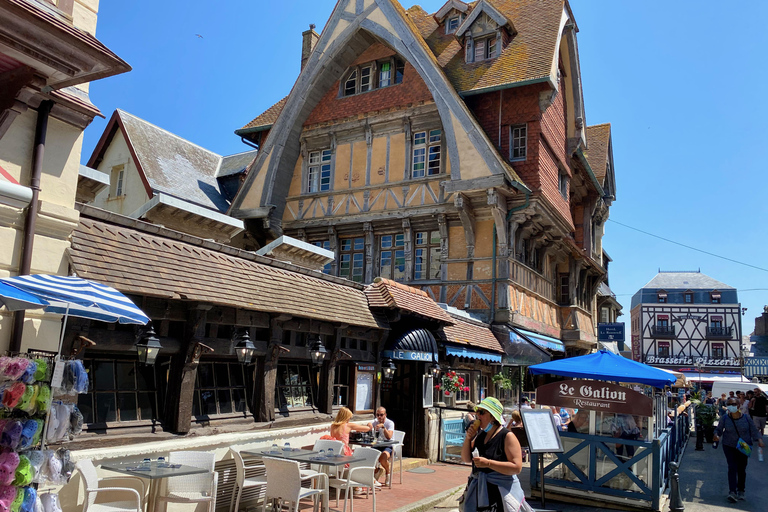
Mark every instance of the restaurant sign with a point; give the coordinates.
(690, 361)
(409, 355)
(595, 396)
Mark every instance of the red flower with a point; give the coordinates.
(437, 386)
(461, 380)
(447, 393)
(466, 388)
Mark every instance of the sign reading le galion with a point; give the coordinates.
(409, 355)
(595, 396)
(610, 332)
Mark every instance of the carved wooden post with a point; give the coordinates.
(266, 367)
(442, 223)
(183, 371)
(369, 249)
(407, 249)
(328, 377)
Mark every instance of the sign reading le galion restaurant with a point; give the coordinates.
(595, 396)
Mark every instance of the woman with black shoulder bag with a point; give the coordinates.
(738, 431)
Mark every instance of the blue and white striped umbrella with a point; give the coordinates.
(14, 299)
(79, 297)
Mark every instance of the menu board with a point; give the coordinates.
(541, 430)
(364, 392)
(427, 391)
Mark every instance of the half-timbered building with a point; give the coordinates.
(684, 319)
(447, 151)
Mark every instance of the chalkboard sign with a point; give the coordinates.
(542, 433)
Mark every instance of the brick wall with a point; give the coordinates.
(412, 91)
(553, 125)
(549, 171)
(518, 106)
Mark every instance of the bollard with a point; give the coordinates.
(699, 433)
(675, 500)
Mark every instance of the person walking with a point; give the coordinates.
(496, 459)
(759, 409)
(734, 427)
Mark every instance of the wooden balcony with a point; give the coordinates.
(530, 279)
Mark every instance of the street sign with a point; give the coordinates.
(610, 332)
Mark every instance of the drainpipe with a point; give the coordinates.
(493, 270)
(29, 223)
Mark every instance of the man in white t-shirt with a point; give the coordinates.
(384, 429)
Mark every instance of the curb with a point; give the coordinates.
(432, 501)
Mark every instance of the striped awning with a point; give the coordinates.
(542, 340)
(74, 296)
(473, 354)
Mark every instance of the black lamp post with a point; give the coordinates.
(317, 351)
(244, 348)
(699, 424)
(147, 346)
(388, 368)
(434, 369)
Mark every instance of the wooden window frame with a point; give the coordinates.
(319, 172)
(396, 250)
(354, 254)
(426, 251)
(428, 152)
(664, 345)
(718, 350)
(514, 143)
(310, 385)
(220, 387)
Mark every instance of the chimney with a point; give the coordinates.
(308, 42)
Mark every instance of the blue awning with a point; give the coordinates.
(474, 354)
(543, 340)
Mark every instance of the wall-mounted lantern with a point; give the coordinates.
(147, 345)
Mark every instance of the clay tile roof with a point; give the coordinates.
(139, 263)
(385, 293)
(598, 139)
(472, 335)
(266, 119)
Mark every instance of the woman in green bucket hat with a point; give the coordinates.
(496, 459)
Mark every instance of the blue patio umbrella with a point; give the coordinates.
(15, 300)
(604, 365)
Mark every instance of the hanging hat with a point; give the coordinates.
(493, 406)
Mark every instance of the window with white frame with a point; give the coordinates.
(427, 148)
(319, 171)
(518, 142)
(426, 263)
(365, 79)
(373, 75)
(453, 24)
(392, 257)
(562, 184)
(352, 258)
(463, 396)
(605, 315)
(117, 181)
(350, 85)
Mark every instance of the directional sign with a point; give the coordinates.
(610, 332)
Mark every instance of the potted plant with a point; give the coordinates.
(706, 416)
(450, 383)
(502, 381)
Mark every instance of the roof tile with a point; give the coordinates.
(472, 335)
(598, 139)
(385, 293)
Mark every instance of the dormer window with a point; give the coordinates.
(452, 23)
(373, 75)
(482, 49)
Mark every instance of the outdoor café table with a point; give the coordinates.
(153, 474)
(380, 445)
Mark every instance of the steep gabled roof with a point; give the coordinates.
(598, 140)
(349, 31)
(685, 281)
(448, 6)
(169, 164)
(388, 294)
(265, 120)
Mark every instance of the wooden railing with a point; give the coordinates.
(530, 279)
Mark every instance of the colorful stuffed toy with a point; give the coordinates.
(11, 434)
(9, 461)
(24, 472)
(13, 394)
(7, 495)
(28, 434)
(16, 368)
(30, 500)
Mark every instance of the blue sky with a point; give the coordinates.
(682, 84)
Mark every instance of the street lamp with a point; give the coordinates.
(147, 346)
(244, 348)
(317, 351)
(699, 365)
(388, 368)
(434, 369)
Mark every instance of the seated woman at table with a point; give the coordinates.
(341, 427)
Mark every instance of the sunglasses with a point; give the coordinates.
(382, 415)
(481, 412)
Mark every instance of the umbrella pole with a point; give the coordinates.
(63, 328)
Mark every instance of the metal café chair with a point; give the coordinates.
(284, 484)
(397, 454)
(243, 481)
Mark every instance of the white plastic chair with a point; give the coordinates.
(126, 492)
(200, 488)
(359, 474)
(323, 444)
(397, 454)
(284, 484)
(242, 481)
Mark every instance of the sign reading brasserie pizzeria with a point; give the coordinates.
(594, 396)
